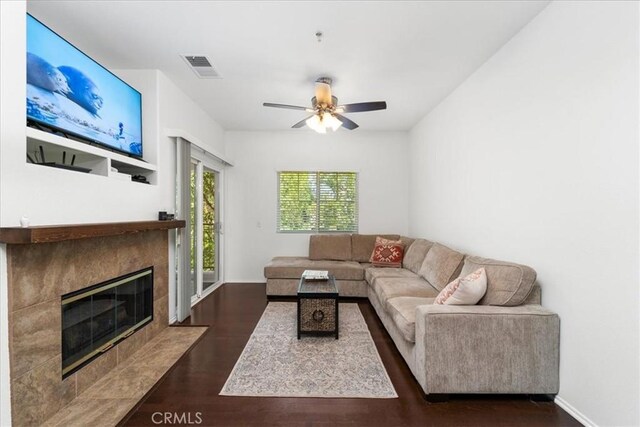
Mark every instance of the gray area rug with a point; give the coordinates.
(275, 363)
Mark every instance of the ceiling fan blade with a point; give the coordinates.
(346, 123)
(301, 122)
(288, 107)
(363, 106)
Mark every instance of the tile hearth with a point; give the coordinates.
(108, 401)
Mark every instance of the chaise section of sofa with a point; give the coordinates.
(283, 275)
(345, 256)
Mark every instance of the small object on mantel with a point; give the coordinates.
(24, 222)
(58, 233)
(164, 216)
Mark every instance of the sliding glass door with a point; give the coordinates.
(205, 228)
(193, 232)
(210, 229)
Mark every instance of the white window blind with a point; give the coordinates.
(317, 202)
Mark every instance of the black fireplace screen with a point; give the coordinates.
(94, 319)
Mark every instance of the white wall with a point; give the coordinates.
(380, 158)
(178, 111)
(534, 159)
(170, 108)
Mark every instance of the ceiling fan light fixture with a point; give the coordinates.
(322, 121)
(329, 120)
(315, 123)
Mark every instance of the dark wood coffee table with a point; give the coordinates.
(318, 307)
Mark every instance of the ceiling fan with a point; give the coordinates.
(327, 114)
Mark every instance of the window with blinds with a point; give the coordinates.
(317, 202)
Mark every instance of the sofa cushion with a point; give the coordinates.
(535, 296)
(403, 312)
(508, 284)
(362, 245)
(465, 290)
(441, 266)
(292, 268)
(387, 253)
(372, 273)
(330, 247)
(414, 254)
(407, 241)
(392, 287)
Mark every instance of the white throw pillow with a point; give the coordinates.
(464, 290)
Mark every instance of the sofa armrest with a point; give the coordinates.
(487, 349)
(486, 310)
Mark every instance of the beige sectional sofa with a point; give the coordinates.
(507, 343)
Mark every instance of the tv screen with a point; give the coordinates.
(70, 92)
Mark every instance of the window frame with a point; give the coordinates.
(317, 225)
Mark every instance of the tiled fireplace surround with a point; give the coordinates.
(38, 275)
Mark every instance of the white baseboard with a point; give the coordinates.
(583, 419)
(173, 320)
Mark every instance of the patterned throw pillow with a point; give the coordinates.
(387, 253)
(466, 290)
(383, 241)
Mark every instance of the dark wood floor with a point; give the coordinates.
(232, 312)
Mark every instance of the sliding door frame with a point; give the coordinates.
(203, 160)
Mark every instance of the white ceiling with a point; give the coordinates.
(410, 54)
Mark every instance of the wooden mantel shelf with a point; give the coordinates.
(58, 233)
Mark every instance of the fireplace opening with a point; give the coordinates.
(96, 318)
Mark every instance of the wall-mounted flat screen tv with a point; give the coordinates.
(69, 92)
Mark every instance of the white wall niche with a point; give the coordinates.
(99, 160)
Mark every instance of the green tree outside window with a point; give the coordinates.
(208, 220)
(317, 202)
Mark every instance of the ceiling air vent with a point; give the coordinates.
(202, 66)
